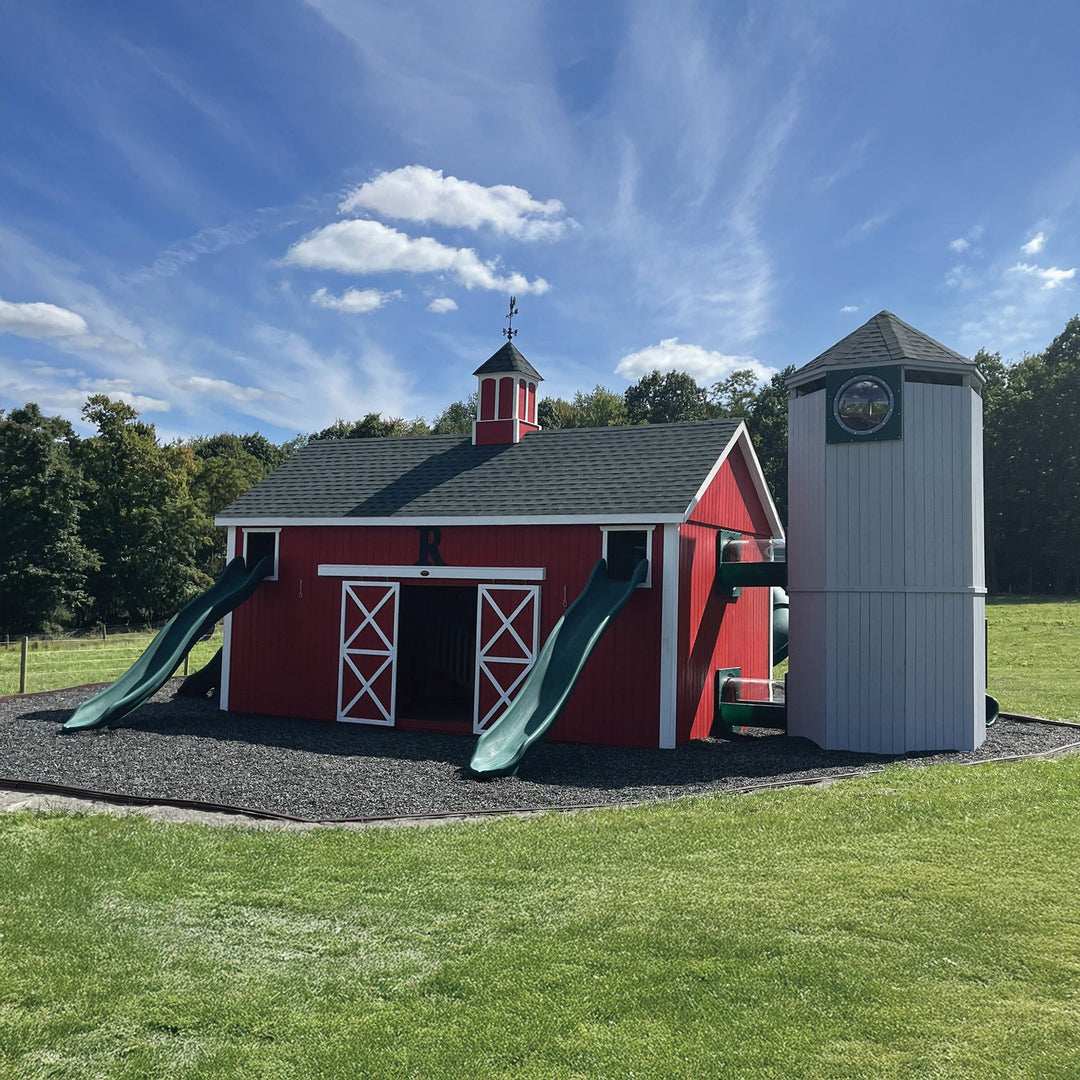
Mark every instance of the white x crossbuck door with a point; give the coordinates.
(507, 627)
(366, 679)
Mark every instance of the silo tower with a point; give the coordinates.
(885, 545)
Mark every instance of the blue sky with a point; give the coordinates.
(242, 215)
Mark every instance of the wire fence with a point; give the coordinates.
(76, 658)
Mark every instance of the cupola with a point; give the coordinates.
(506, 398)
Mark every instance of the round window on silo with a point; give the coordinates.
(863, 405)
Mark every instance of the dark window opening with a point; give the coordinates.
(810, 387)
(257, 545)
(625, 549)
(436, 661)
(941, 378)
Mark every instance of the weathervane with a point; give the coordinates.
(510, 332)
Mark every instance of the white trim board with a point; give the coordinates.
(445, 573)
(460, 519)
(226, 631)
(669, 640)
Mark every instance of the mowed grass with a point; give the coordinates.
(922, 923)
(1035, 655)
(63, 662)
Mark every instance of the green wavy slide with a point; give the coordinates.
(562, 659)
(170, 645)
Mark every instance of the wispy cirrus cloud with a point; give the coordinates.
(210, 241)
(417, 193)
(39, 320)
(354, 301)
(369, 247)
(673, 355)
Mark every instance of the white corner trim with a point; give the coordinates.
(445, 573)
(226, 630)
(669, 639)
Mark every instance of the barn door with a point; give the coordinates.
(366, 683)
(507, 626)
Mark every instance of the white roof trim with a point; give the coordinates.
(438, 519)
(741, 438)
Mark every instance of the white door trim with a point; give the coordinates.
(485, 655)
(389, 654)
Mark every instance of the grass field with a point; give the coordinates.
(1035, 655)
(919, 924)
(53, 665)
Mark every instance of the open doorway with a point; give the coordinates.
(436, 661)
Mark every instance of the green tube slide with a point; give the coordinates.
(562, 659)
(170, 645)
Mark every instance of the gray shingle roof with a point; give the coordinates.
(508, 359)
(647, 471)
(884, 339)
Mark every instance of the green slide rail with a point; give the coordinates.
(562, 659)
(170, 645)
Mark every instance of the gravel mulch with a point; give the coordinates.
(183, 748)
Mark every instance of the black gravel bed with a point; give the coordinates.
(184, 748)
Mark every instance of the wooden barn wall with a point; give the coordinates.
(285, 639)
(731, 500)
(715, 632)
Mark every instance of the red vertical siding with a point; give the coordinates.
(506, 398)
(713, 632)
(286, 637)
(487, 399)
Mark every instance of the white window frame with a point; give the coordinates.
(647, 530)
(277, 548)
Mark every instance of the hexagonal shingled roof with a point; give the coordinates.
(884, 339)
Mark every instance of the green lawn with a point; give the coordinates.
(922, 923)
(1035, 655)
(52, 665)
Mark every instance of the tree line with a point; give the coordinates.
(117, 527)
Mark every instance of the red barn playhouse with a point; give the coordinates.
(416, 579)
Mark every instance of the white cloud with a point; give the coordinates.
(39, 320)
(847, 309)
(368, 247)
(703, 364)
(354, 301)
(417, 193)
(961, 277)
(1051, 277)
(201, 384)
(442, 304)
(959, 244)
(1035, 244)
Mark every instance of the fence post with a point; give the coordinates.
(103, 631)
(22, 665)
(186, 658)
